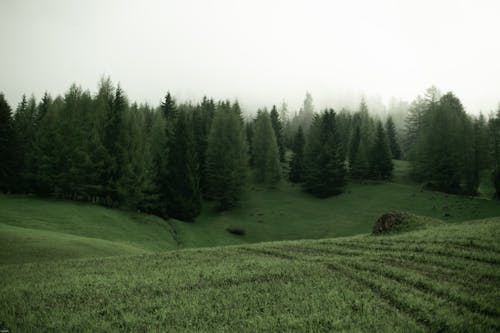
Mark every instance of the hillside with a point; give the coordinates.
(33, 229)
(442, 278)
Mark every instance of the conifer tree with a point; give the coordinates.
(494, 134)
(297, 163)
(380, 163)
(183, 197)
(8, 142)
(393, 140)
(227, 158)
(265, 151)
(278, 132)
(324, 167)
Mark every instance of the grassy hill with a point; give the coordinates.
(441, 278)
(34, 229)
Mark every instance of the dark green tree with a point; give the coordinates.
(296, 174)
(265, 151)
(183, 195)
(393, 140)
(227, 158)
(380, 159)
(494, 134)
(8, 147)
(324, 168)
(278, 132)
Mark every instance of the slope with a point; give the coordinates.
(443, 278)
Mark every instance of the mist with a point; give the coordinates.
(257, 52)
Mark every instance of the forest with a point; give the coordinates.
(167, 160)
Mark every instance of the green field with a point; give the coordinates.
(68, 266)
(40, 229)
(443, 278)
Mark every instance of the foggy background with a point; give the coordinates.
(259, 52)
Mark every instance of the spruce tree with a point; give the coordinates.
(494, 134)
(278, 132)
(183, 197)
(8, 142)
(393, 140)
(324, 167)
(265, 151)
(296, 174)
(227, 158)
(380, 159)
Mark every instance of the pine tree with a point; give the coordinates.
(494, 134)
(393, 140)
(183, 197)
(265, 151)
(297, 162)
(227, 158)
(24, 124)
(8, 145)
(278, 132)
(380, 163)
(324, 167)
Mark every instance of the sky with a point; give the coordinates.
(259, 52)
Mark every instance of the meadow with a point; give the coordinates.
(302, 264)
(440, 278)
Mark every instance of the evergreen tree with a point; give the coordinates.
(393, 141)
(183, 197)
(265, 151)
(202, 121)
(278, 132)
(8, 146)
(494, 133)
(380, 163)
(324, 168)
(24, 124)
(297, 162)
(227, 158)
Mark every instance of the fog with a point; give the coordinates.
(259, 52)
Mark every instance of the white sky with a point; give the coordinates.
(260, 52)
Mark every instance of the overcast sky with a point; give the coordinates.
(261, 52)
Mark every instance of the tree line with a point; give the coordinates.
(167, 160)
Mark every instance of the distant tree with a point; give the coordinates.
(494, 134)
(227, 158)
(183, 197)
(8, 146)
(393, 140)
(24, 124)
(265, 151)
(324, 168)
(380, 162)
(297, 162)
(278, 132)
(202, 121)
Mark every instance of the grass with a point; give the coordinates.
(40, 229)
(34, 229)
(441, 278)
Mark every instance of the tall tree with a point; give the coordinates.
(24, 124)
(278, 132)
(296, 174)
(393, 140)
(494, 133)
(380, 163)
(227, 158)
(325, 169)
(265, 151)
(183, 197)
(8, 147)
